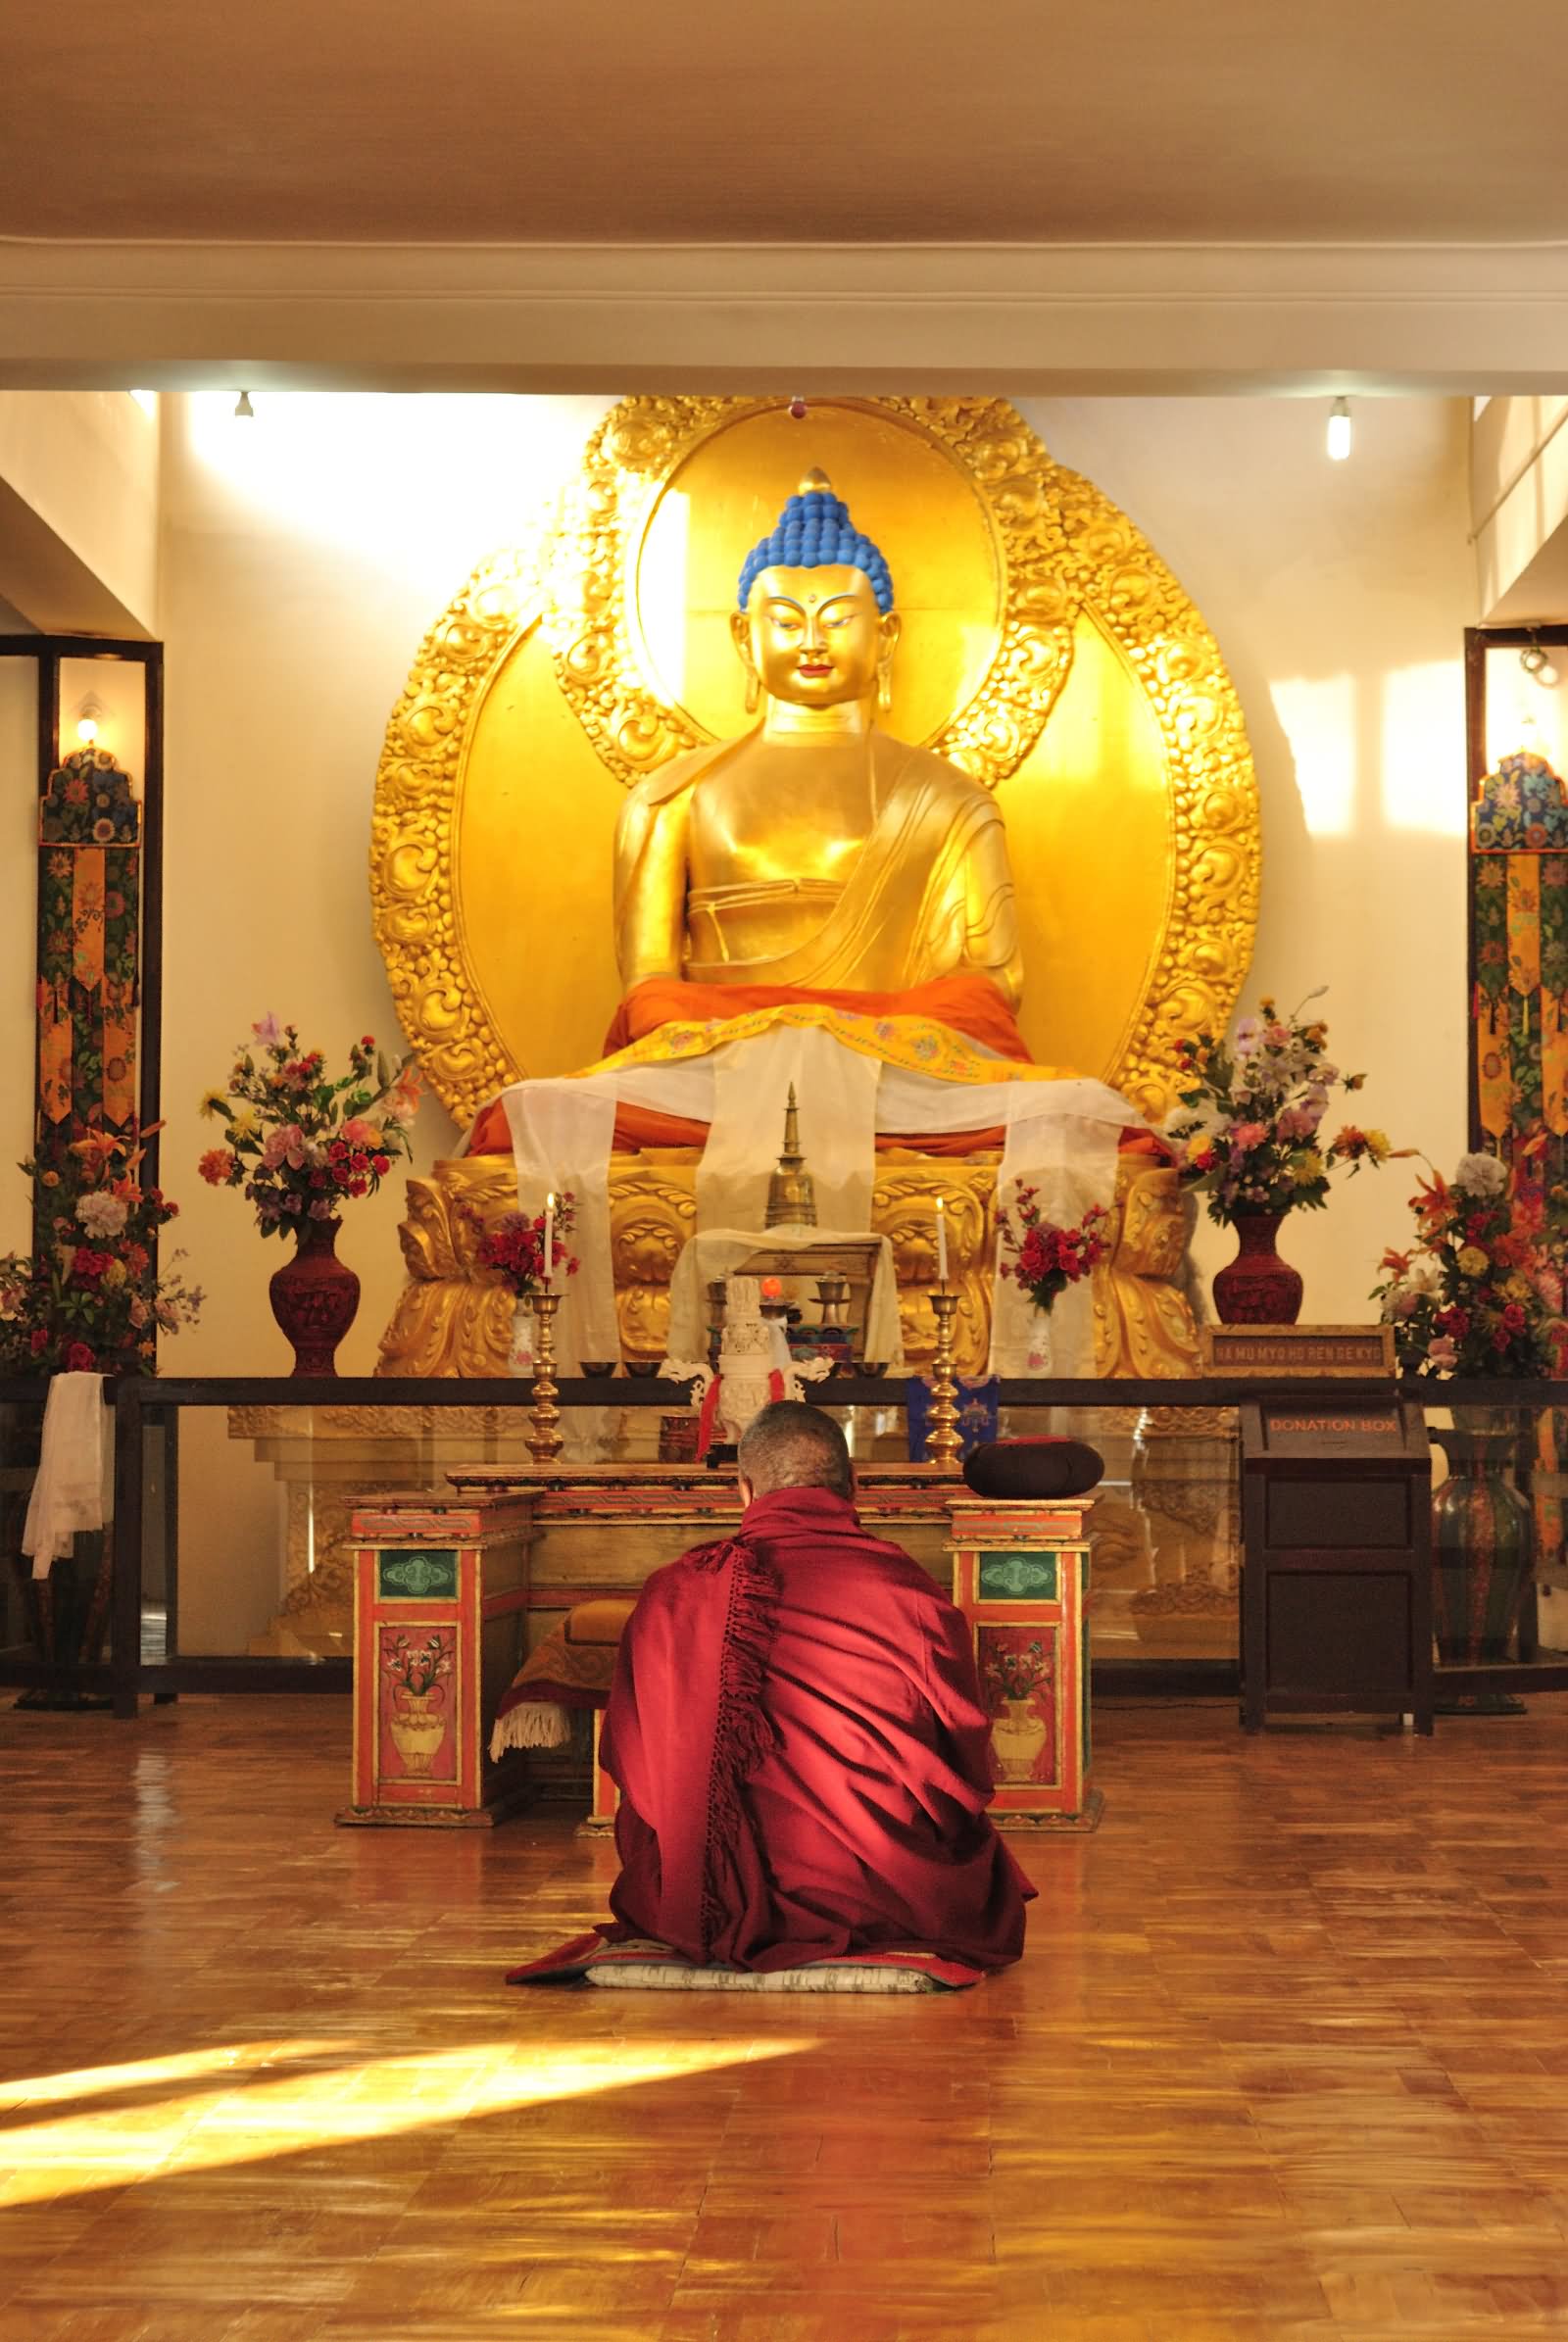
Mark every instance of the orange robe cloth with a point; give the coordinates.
(797, 1731)
(966, 1005)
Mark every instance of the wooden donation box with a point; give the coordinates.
(440, 1588)
(1337, 1574)
(1019, 1576)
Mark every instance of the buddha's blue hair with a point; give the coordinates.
(814, 531)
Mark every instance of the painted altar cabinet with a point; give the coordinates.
(873, 756)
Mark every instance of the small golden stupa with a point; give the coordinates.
(791, 1191)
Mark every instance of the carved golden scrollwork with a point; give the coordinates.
(903, 1209)
(652, 1214)
(439, 1007)
(628, 462)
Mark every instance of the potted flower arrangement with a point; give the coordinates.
(91, 1298)
(512, 1248)
(1478, 1294)
(1252, 1146)
(1467, 1298)
(302, 1143)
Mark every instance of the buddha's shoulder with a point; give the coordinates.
(672, 781)
(922, 767)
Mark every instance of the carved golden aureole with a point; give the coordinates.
(571, 667)
(453, 1320)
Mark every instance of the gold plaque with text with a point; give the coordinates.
(1302, 1352)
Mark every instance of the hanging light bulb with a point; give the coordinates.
(87, 716)
(243, 408)
(1339, 435)
(1538, 667)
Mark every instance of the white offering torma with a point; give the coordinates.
(755, 1365)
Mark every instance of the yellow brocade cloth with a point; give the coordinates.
(917, 1044)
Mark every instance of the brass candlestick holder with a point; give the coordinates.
(942, 1438)
(544, 1419)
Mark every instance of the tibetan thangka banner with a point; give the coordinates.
(89, 880)
(1519, 924)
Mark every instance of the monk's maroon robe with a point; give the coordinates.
(796, 1730)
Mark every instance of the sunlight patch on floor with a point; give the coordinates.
(368, 2098)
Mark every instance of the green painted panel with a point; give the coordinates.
(1017, 1577)
(431, 1576)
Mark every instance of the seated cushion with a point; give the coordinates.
(1042, 1467)
(598, 1622)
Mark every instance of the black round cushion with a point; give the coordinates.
(1033, 1468)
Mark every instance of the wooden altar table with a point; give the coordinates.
(509, 1553)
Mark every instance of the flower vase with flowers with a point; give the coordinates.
(1253, 1147)
(1479, 1293)
(1047, 1258)
(302, 1143)
(415, 1703)
(511, 1249)
(1468, 1297)
(1015, 1674)
(91, 1300)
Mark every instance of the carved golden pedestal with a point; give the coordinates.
(453, 1320)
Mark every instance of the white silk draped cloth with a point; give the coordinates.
(1061, 1135)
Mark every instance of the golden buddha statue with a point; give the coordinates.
(815, 872)
(816, 852)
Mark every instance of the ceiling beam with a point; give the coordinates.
(1060, 320)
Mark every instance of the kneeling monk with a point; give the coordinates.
(797, 1734)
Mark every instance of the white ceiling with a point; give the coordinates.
(581, 194)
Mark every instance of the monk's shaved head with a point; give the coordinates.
(791, 1446)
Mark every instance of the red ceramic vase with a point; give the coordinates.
(314, 1297)
(1258, 1287)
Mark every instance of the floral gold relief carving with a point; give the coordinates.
(453, 1320)
(411, 901)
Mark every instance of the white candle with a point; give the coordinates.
(548, 1259)
(942, 1242)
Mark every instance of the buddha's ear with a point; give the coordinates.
(888, 628)
(740, 634)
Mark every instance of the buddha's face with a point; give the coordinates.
(816, 635)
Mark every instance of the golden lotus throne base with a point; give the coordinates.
(454, 1319)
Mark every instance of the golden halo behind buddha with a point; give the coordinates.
(1043, 648)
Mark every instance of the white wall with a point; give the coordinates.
(79, 500)
(1339, 594)
(306, 553)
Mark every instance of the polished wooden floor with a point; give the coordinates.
(1287, 2057)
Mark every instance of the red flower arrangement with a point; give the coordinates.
(1016, 1675)
(1475, 1294)
(1047, 1259)
(513, 1246)
(88, 1301)
(299, 1142)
